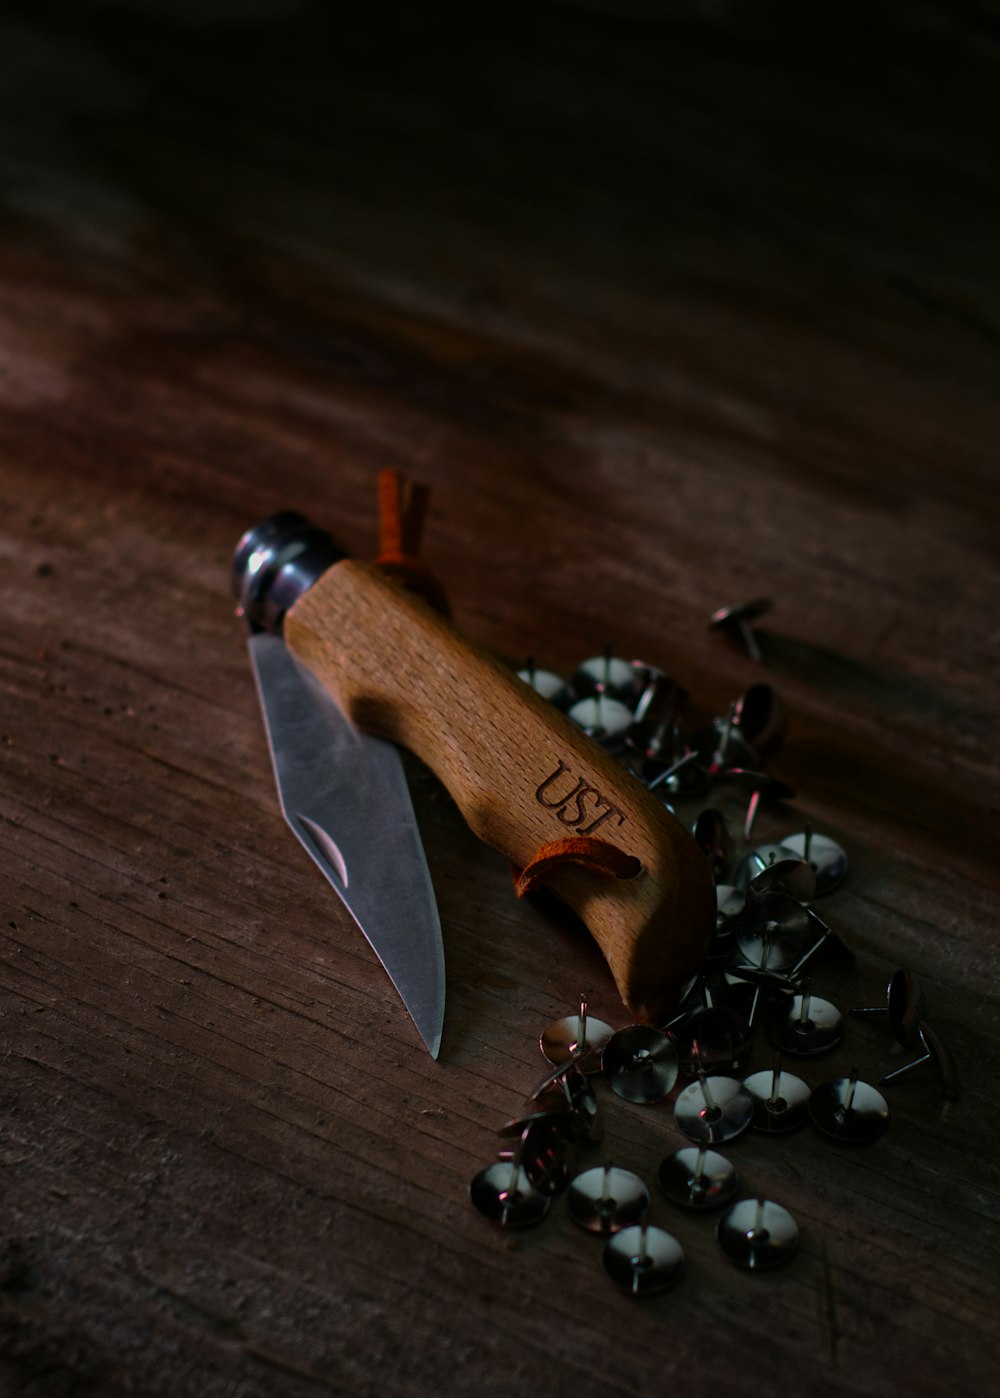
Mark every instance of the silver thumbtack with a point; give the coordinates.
(602, 718)
(736, 621)
(640, 1063)
(793, 876)
(565, 1090)
(660, 697)
(503, 1194)
(785, 922)
(682, 778)
(761, 858)
(605, 1199)
(827, 937)
(720, 745)
(544, 1153)
(644, 1260)
(780, 1100)
(757, 1234)
(906, 1006)
(711, 835)
(545, 683)
(934, 1052)
(759, 716)
(578, 1038)
(827, 858)
(715, 1112)
(714, 1038)
(809, 1026)
(761, 788)
(849, 1110)
(610, 676)
(697, 1178)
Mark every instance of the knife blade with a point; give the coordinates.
(345, 798)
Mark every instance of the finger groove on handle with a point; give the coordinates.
(521, 773)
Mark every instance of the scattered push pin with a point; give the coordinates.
(503, 1194)
(578, 1038)
(758, 1234)
(757, 861)
(545, 683)
(761, 788)
(711, 835)
(721, 745)
(793, 876)
(809, 1026)
(567, 1091)
(698, 1178)
(606, 1199)
(779, 918)
(849, 1110)
(652, 747)
(935, 1052)
(759, 716)
(729, 903)
(713, 1109)
(544, 1152)
(906, 1006)
(612, 677)
(827, 858)
(640, 1063)
(735, 621)
(602, 718)
(660, 698)
(714, 1037)
(825, 937)
(684, 777)
(644, 1259)
(780, 1100)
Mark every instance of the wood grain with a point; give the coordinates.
(523, 776)
(672, 306)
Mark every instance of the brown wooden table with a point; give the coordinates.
(671, 307)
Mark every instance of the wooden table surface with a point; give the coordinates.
(671, 306)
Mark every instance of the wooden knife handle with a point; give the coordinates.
(521, 773)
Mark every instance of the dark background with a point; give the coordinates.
(671, 306)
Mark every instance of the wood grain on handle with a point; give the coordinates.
(521, 773)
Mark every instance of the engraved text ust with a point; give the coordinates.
(576, 804)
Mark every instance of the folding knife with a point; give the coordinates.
(348, 664)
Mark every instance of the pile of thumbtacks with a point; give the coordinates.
(755, 976)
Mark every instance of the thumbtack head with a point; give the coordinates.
(780, 1100)
(781, 920)
(827, 858)
(713, 1109)
(566, 1091)
(935, 1051)
(644, 1260)
(757, 1234)
(578, 1038)
(906, 1006)
(808, 1026)
(735, 621)
(503, 1194)
(698, 1178)
(606, 1199)
(640, 1063)
(849, 1110)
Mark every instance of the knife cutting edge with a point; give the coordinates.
(342, 791)
(345, 658)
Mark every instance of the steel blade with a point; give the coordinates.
(344, 794)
